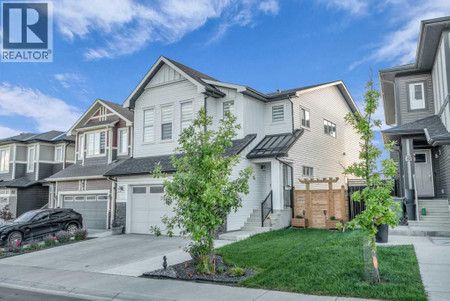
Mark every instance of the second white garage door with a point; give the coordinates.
(147, 209)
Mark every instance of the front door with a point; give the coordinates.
(424, 173)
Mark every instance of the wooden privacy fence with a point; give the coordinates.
(314, 202)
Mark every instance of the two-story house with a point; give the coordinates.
(416, 102)
(25, 161)
(103, 139)
(284, 136)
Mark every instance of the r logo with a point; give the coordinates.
(25, 25)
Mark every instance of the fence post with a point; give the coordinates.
(343, 210)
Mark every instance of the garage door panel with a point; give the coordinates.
(93, 210)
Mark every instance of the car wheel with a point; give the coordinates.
(72, 228)
(15, 237)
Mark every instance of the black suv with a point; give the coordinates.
(38, 223)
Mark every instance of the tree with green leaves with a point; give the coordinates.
(379, 179)
(203, 191)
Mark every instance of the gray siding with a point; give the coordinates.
(21, 153)
(444, 163)
(21, 170)
(97, 160)
(7, 176)
(48, 169)
(47, 153)
(404, 115)
(31, 198)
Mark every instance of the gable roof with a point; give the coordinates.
(47, 137)
(124, 113)
(194, 76)
(427, 45)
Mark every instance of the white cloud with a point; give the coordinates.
(353, 7)
(68, 80)
(6, 132)
(47, 112)
(269, 7)
(128, 26)
(399, 46)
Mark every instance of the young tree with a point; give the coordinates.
(377, 195)
(202, 192)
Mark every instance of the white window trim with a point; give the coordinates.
(335, 126)
(119, 140)
(284, 114)
(7, 150)
(87, 143)
(62, 153)
(30, 167)
(233, 111)
(144, 126)
(181, 114)
(411, 86)
(309, 112)
(310, 168)
(171, 122)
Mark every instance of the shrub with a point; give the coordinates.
(49, 240)
(63, 237)
(332, 218)
(236, 271)
(80, 234)
(299, 216)
(339, 226)
(34, 245)
(1, 252)
(13, 248)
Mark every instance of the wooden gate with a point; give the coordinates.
(312, 203)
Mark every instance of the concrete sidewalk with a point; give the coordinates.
(99, 286)
(433, 255)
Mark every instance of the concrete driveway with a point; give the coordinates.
(129, 255)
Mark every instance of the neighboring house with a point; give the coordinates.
(25, 161)
(103, 140)
(416, 101)
(285, 135)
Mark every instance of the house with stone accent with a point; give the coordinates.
(103, 140)
(25, 161)
(284, 135)
(416, 103)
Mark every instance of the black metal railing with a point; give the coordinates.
(266, 207)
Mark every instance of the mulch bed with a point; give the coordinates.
(12, 254)
(186, 271)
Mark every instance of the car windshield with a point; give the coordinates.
(26, 217)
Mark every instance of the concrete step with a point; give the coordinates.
(237, 235)
(252, 224)
(435, 231)
(428, 224)
(256, 229)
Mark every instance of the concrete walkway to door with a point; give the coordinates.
(129, 255)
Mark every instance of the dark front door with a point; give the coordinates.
(287, 186)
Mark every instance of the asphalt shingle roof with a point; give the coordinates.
(433, 124)
(22, 182)
(275, 145)
(105, 122)
(147, 165)
(49, 137)
(125, 112)
(79, 171)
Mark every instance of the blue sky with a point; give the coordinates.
(102, 49)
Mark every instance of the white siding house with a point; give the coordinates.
(272, 140)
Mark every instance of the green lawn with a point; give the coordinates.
(321, 262)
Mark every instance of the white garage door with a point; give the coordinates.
(147, 209)
(93, 208)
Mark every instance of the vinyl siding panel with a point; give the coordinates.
(405, 114)
(441, 78)
(317, 149)
(21, 153)
(31, 198)
(444, 163)
(284, 126)
(47, 153)
(98, 184)
(153, 98)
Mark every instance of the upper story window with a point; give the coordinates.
(123, 141)
(59, 154)
(416, 96)
(308, 171)
(186, 114)
(329, 128)
(96, 144)
(304, 118)
(31, 158)
(228, 106)
(278, 113)
(166, 123)
(4, 160)
(149, 125)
